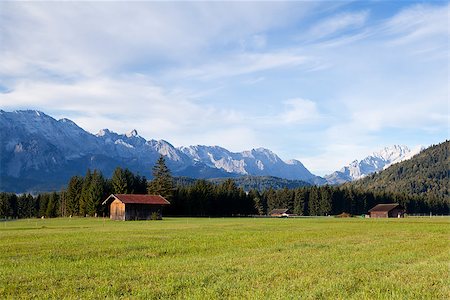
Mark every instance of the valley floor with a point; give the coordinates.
(302, 258)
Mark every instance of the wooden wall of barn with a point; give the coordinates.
(384, 214)
(378, 214)
(117, 210)
(142, 211)
(396, 212)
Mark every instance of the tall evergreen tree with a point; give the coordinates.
(119, 182)
(96, 193)
(72, 195)
(325, 201)
(52, 205)
(43, 204)
(258, 202)
(314, 201)
(7, 203)
(85, 196)
(162, 183)
(140, 184)
(300, 200)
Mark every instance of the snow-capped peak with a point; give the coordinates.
(103, 132)
(392, 153)
(378, 161)
(132, 133)
(293, 162)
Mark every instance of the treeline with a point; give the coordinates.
(248, 182)
(207, 199)
(84, 196)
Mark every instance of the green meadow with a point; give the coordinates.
(238, 258)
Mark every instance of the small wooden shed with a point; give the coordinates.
(279, 212)
(390, 210)
(135, 207)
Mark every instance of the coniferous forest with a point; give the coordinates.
(425, 175)
(83, 196)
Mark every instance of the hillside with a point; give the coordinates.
(426, 174)
(375, 162)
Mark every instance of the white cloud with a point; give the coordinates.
(89, 38)
(338, 23)
(123, 104)
(300, 110)
(241, 64)
(419, 22)
(367, 75)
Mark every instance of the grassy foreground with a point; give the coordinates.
(323, 258)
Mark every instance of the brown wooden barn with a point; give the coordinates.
(135, 207)
(391, 210)
(279, 212)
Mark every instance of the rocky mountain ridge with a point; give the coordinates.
(41, 153)
(376, 162)
(38, 153)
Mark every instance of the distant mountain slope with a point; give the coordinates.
(257, 162)
(426, 174)
(39, 153)
(376, 162)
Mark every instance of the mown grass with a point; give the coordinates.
(323, 258)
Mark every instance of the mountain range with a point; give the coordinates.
(39, 153)
(378, 161)
(426, 175)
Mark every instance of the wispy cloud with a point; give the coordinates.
(298, 111)
(190, 73)
(337, 24)
(242, 64)
(418, 22)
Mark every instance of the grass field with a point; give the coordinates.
(308, 258)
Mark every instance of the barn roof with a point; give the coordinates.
(279, 211)
(138, 199)
(385, 207)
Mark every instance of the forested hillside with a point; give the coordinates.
(426, 175)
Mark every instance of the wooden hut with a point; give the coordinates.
(391, 210)
(279, 212)
(135, 207)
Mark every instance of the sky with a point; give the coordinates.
(319, 81)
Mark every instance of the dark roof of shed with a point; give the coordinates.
(385, 207)
(279, 211)
(138, 199)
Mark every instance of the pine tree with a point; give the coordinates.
(299, 201)
(325, 204)
(314, 202)
(96, 193)
(72, 195)
(43, 204)
(119, 182)
(52, 205)
(6, 204)
(162, 183)
(257, 201)
(85, 196)
(272, 200)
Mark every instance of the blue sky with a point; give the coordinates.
(323, 82)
